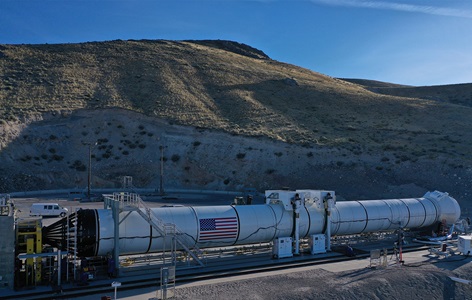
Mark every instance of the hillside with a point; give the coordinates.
(227, 116)
(460, 94)
(374, 83)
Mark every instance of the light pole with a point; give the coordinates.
(161, 177)
(89, 177)
(161, 164)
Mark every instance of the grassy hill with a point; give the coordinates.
(227, 88)
(460, 94)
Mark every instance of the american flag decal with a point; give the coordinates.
(218, 228)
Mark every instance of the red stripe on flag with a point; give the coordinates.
(218, 228)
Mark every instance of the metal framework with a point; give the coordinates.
(125, 203)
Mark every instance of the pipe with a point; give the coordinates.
(329, 203)
(297, 204)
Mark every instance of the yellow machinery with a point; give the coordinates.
(29, 241)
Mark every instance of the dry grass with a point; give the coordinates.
(237, 89)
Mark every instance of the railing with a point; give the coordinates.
(134, 201)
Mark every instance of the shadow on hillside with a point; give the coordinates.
(459, 94)
(282, 101)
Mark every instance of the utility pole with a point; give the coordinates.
(89, 177)
(161, 177)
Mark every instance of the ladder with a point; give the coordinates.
(133, 202)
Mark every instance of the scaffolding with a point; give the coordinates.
(127, 182)
(124, 202)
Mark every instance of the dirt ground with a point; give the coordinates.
(421, 277)
(415, 282)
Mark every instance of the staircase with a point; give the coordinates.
(133, 202)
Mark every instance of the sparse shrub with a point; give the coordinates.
(384, 159)
(141, 127)
(240, 155)
(52, 150)
(125, 152)
(79, 166)
(339, 163)
(175, 158)
(142, 146)
(106, 155)
(196, 143)
(278, 154)
(150, 134)
(187, 168)
(57, 157)
(52, 137)
(226, 181)
(404, 158)
(125, 142)
(44, 156)
(269, 171)
(26, 158)
(309, 154)
(379, 168)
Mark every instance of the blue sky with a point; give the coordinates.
(415, 42)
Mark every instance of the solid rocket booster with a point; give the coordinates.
(217, 226)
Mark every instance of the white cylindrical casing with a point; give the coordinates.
(254, 228)
(352, 217)
(214, 226)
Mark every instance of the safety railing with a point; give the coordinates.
(133, 201)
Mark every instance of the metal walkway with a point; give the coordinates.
(133, 202)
